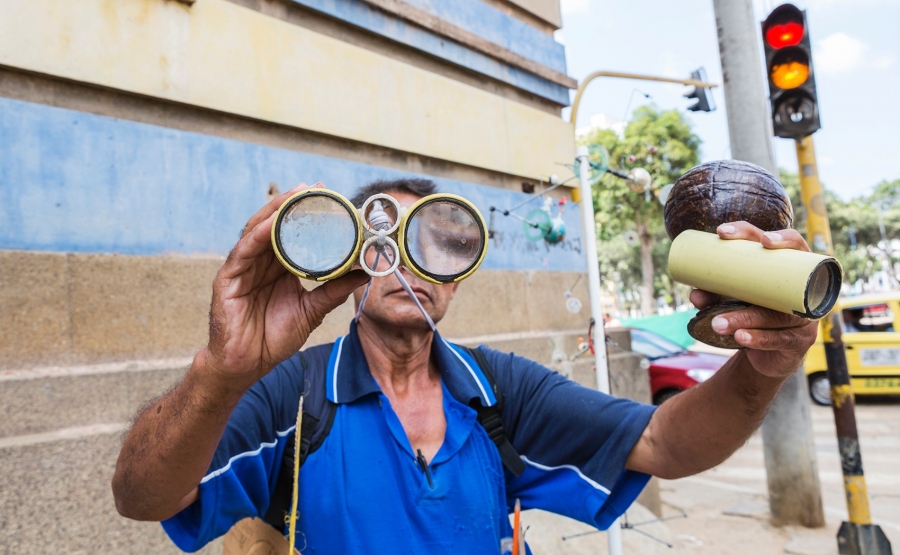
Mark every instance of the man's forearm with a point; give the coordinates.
(703, 426)
(171, 444)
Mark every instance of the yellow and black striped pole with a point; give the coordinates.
(858, 536)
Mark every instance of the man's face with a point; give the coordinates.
(389, 305)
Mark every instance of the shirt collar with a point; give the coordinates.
(349, 378)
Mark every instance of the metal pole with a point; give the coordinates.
(858, 536)
(795, 495)
(601, 365)
(584, 83)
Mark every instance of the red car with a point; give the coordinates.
(672, 367)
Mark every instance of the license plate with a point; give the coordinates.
(882, 383)
(879, 357)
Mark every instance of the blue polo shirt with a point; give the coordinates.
(363, 492)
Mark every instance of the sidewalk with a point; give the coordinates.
(727, 506)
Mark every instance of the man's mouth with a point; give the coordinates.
(418, 291)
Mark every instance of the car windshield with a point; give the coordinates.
(653, 346)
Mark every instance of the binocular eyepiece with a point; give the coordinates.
(318, 234)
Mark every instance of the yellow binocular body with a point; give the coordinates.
(318, 234)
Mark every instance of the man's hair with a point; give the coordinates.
(417, 187)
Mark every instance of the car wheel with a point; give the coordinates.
(820, 389)
(664, 396)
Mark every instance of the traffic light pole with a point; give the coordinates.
(858, 536)
(573, 117)
(795, 496)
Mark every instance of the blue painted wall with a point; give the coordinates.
(77, 182)
(490, 23)
(524, 40)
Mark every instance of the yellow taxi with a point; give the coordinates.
(872, 341)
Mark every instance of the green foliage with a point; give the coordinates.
(857, 218)
(662, 143)
(676, 150)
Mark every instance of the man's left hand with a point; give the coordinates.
(776, 342)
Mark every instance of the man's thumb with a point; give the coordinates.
(334, 293)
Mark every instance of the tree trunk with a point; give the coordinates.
(648, 301)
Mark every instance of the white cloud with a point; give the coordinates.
(840, 52)
(882, 62)
(574, 6)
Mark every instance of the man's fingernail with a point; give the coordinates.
(742, 336)
(719, 324)
(775, 237)
(727, 229)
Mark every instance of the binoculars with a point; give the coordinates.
(318, 234)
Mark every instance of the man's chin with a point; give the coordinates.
(400, 319)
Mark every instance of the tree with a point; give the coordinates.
(662, 143)
(855, 228)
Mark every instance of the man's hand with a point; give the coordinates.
(776, 342)
(704, 425)
(260, 313)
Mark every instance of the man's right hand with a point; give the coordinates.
(260, 313)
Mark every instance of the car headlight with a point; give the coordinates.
(701, 374)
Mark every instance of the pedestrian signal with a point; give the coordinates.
(792, 85)
(705, 102)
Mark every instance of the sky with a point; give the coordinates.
(856, 59)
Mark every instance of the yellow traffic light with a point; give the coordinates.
(789, 75)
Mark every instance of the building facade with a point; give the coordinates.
(138, 136)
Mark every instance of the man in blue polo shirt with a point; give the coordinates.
(406, 468)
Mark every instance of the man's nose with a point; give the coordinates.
(413, 279)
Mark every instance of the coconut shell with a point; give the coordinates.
(724, 191)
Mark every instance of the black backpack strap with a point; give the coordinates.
(318, 416)
(491, 418)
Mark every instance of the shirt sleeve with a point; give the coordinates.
(245, 466)
(574, 441)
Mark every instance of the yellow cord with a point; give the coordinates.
(294, 493)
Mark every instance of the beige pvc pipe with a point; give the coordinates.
(785, 280)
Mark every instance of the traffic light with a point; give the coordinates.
(792, 85)
(705, 102)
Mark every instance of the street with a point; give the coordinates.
(727, 507)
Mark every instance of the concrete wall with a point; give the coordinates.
(137, 137)
(60, 309)
(225, 57)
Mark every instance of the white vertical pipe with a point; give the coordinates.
(593, 269)
(614, 534)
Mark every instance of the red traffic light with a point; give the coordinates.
(784, 27)
(784, 34)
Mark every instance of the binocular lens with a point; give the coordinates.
(316, 234)
(444, 239)
(823, 288)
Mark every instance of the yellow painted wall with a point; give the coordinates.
(222, 56)
(548, 10)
